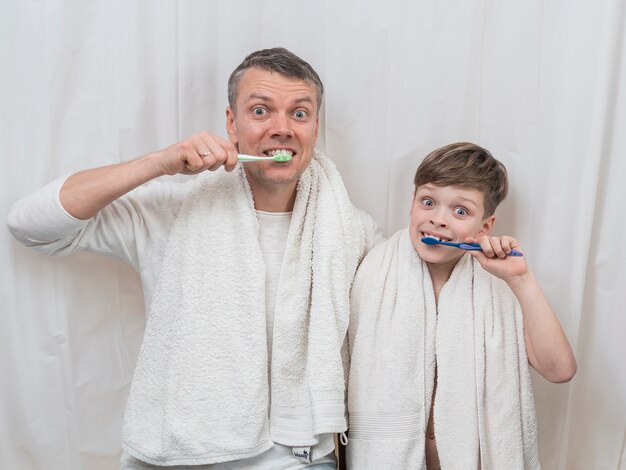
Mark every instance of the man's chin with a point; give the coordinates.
(280, 180)
(272, 176)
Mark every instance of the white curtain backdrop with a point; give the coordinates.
(542, 84)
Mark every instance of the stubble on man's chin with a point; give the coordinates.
(268, 180)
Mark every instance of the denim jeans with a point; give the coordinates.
(322, 466)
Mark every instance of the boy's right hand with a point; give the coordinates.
(197, 153)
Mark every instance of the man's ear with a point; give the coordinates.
(317, 126)
(487, 225)
(231, 125)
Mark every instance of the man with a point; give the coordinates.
(246, 274)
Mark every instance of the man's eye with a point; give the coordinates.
(300, 114)
(259, 111)
(460, 211)
(428, 202)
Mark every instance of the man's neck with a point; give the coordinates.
(280, 198)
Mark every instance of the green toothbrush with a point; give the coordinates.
(279, 157)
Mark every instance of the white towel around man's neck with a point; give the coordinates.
(200, 391)
(483, 412)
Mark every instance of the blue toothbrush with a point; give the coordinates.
(463, 246)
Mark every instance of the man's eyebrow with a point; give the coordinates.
(255, 96)
(304, 99)
(260, 97)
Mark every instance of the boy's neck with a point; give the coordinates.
(439, 274)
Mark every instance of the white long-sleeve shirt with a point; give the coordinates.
(135, 228)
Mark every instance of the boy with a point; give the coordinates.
(440, 338)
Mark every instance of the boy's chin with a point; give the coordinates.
(437, 254)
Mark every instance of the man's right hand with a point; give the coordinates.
(85, 193)
(197, 153)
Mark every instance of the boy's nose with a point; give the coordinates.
(438, 220)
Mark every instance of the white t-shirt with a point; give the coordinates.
(273, 231)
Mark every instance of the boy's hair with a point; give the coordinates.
(469, 166)
(280, 60)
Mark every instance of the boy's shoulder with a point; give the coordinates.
(385, 256)
(383, 249)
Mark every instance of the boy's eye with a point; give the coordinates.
(300, 114)
(259, 111)
(428, 201)
(460, 211)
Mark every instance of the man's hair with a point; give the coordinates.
(469, 166)
(280, 60)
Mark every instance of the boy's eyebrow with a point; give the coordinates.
(468, 200)
(430, 187)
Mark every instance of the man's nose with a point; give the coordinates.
(281, 126)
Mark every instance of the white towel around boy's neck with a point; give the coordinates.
(200, 390)
(483, 411)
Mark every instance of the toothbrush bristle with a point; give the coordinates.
(282, 157)
(430, 240)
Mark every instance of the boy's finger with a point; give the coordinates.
(485, 244)
(498, 248)
(508, 243)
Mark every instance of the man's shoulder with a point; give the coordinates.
(373, 233)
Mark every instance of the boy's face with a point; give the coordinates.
(450, 213)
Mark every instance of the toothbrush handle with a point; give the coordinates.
(476, 247)
(469, 246)
(250, 158)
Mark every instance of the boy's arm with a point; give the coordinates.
(548, 349)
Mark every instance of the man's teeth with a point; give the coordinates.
(271, 153)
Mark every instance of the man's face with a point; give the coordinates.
(274, 112)
(450, 213)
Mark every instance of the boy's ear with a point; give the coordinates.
(487, 225)
(412, 202)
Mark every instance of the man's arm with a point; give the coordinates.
(87, 192)
(548, 349)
